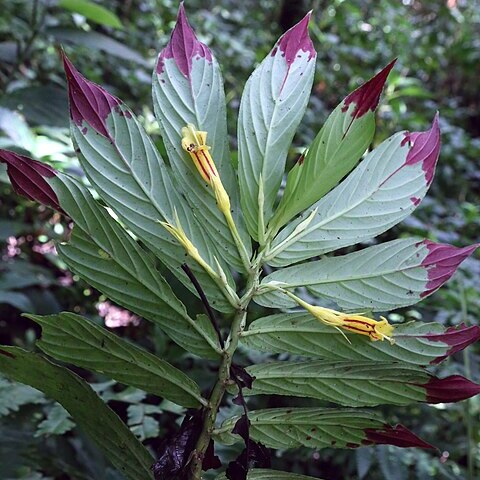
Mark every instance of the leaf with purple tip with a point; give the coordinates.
(188, 89)
(384, 189)
(336, 149)
(398, 435)
(379, 278)
(107, 257)
(272, 106)
(320, 428)
(29, 178)
(359, 383)
(416, 343)
(126, 170)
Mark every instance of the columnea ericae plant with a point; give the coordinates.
(233, 237)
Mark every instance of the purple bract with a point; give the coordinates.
(425, 148)
(398, 435)
(457, 338)
(295, 40)
(442, 262)
(454, 388)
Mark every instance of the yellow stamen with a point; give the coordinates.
(355, 322)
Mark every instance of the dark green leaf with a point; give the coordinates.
(75, 339)
(91, 414)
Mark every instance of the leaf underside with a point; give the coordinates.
(109, 259)
(309, 427)
(357, 384)
(301, 334)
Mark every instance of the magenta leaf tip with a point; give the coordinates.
(398, 436)
(183, 46)
(457, 338)
(88, 101)
(425, 149)
(296, 39)
(28, 178)
(441, 262)
(450, 389)
(367, 96)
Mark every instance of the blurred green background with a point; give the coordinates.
(437, 43)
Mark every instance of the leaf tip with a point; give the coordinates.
(425, 149)
(28, 178)
(88, 101)
(457, 338)
(296, 39)
(441, 262)
(454, 388)
(398, 436)
(183, 46)
(367, 96)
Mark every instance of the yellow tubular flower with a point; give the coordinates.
(219, 277)
(355, 322)
(178, 232)
(194, 142)
(221, 195)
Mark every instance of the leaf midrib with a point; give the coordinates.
(108, 250)
(325, 221)
(354, 278)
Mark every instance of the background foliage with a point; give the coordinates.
(438, 52)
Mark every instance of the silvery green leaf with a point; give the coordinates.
(188, 89)
(107, 257)
(337, 148)
(129, 174)
(272, 106)
(359, 383)
(319, 428)
(379, 278)
(416, 343)
(384, 189)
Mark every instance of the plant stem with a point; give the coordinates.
(238, 241)
(218, 391)
(217, 396)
